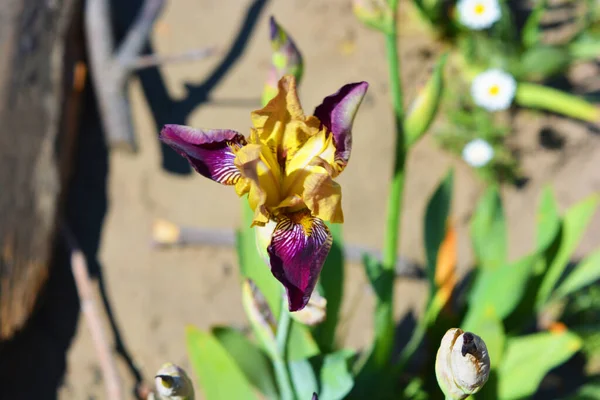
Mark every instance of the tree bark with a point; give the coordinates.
(39, 51)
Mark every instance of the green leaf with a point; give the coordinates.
(590, 336)
(554, 100)
(488, 230)
(436, 217)
(503, 288)
(303, 378)
(531, 34)
(252, 265)
(332, 288)
(548, 220)
(424, 109)
(300, 344)
(381, 281)
(575, 222)
(489, 327)
(336, 378)
(250, 359)
(541, 62)
(373, 365)
(529, 358)
(584, 274)
(589, 391)
(217, 372)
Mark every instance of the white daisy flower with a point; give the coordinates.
(478, 14)
(493, 90)
(477, 153)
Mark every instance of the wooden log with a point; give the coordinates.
(36, 116)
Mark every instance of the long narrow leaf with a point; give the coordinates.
(332, 286)
(584, 274)
(529, 358)
(218, 374)
(548, 219)
(303, 378)
(436, 218)
(336, 378)
(488, 230)
(250, 359)
(503, 288)
(574, 224)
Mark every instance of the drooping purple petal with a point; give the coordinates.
(209, 152)
(337, 114)
(298, 249)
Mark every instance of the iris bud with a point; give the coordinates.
(462, 365)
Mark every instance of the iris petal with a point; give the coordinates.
(298, 249)
(272, 120)
(259, 168)
(337, 113)
(210, 152)
(323, 196)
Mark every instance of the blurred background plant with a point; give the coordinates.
(506, 39)
(535, 314)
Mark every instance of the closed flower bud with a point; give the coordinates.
(285, 60)
(260, 316)
(172, 383)
(424, 108)
(462, 365)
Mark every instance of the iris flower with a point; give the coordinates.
(286, 167)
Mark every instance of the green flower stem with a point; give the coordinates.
(385, 310)
(279, 361)
(283, 379)
(283, 327)
(547, 98)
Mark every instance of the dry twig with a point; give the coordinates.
(109, 68)
(166, 234)
(87, 301)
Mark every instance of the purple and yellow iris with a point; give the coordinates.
(286, 167)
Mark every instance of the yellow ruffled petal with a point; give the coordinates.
(258, 167)
(242, 187)
(271, 121)
(323, 196)
(319, 145)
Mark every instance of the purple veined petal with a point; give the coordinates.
(298, 249)
(210, 152)
(337, 113)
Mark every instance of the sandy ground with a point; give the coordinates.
(155, 293)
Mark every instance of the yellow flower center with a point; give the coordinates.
(289, 162)
(479, 8)
(494, 90)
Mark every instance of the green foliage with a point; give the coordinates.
(528, 358)
(534, 313)
(331, 285)
(218, 374)
(436, 219)
(252, 266)
(336, 376)
(304, 379)
(573, 226)
(254, 364)
(488, 231)
(501, 289)
(585, 273)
